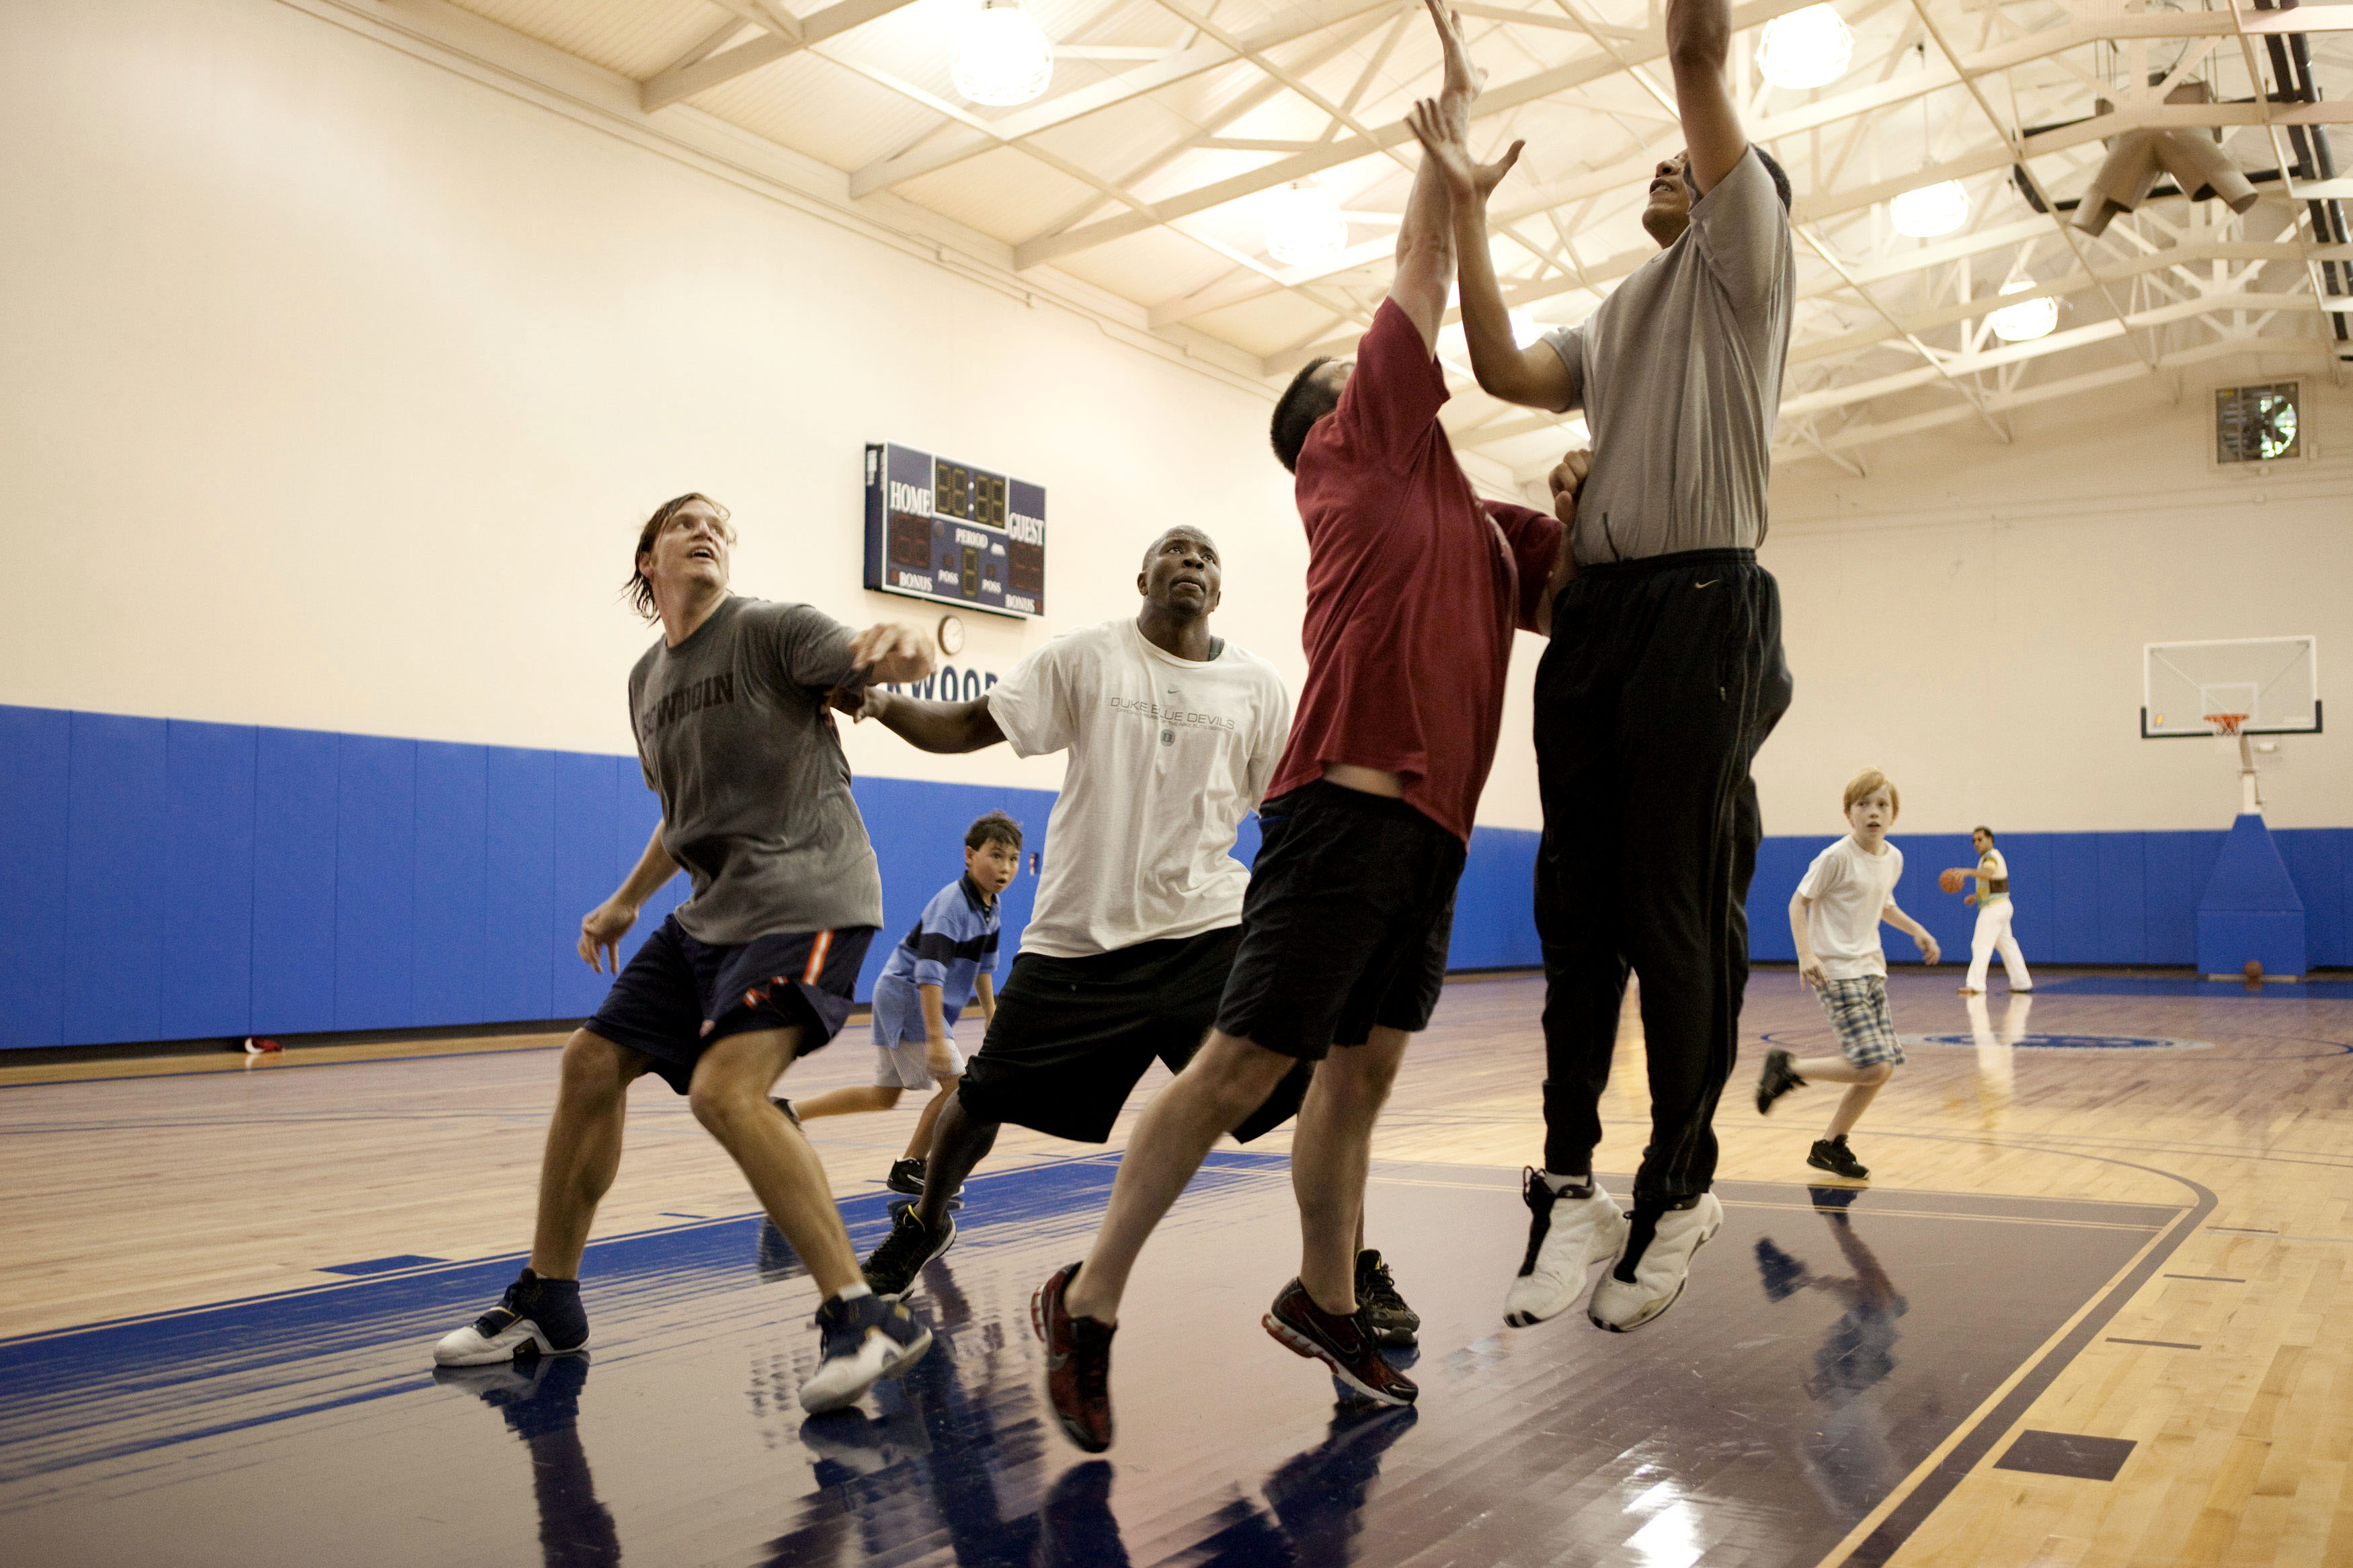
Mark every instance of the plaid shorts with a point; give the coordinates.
(1866, 1030)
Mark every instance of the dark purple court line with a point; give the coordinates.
(2210, 1279)
(1924, 1498)
(2161, 1344)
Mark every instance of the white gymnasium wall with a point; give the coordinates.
(339, 383)
(1970, 615)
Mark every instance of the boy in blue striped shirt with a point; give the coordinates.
(922, 991)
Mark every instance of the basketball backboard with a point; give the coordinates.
(2273, 681)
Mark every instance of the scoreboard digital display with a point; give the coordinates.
(954, 533)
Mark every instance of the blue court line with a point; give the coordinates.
(398, 1261)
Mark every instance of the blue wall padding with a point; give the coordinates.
(451, 908)
(114, 875)
(207, 895)
(293, 987)
(2249, 911)
(1494, 920)
(164, 880)
(35, 749)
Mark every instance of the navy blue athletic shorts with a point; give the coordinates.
(678, 997)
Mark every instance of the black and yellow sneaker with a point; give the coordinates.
(1391, 1321)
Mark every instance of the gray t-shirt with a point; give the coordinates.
(734, 736)
(1678, 373)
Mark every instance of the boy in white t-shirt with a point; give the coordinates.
(1835, 916)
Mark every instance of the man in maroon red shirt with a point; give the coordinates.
(1414, 588)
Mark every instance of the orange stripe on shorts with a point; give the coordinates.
(818, 950)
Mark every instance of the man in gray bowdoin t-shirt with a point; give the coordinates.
(754, 971)
(1663, 676)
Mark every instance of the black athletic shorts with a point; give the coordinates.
(1346, 926)
(678, 997)
(1073, 1036)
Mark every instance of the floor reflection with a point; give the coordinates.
(1848, 1457)
(540, 1399)
(1997, 1052)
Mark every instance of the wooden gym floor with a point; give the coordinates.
(2095, 1309)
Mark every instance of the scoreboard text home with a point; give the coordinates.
(953, 533)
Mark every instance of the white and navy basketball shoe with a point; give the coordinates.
(866, 1341)
(1567, 1234)
(1651, 1272)
(536, 1317)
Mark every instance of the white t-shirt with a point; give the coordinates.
(1167, 756)
(1849, 887)
(1991, 865)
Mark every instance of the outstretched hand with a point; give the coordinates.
(1463, 80)
(1449, 151)
(861, 702)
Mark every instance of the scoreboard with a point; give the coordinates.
(954, 533)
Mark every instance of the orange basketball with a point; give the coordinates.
(1950, 881)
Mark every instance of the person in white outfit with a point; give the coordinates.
(1992, 899)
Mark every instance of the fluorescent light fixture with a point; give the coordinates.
(1002, 57)
(2027, 320)
(1304, 225)
(1931, 210)
(1805, 48)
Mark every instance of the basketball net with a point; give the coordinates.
(2230, 728)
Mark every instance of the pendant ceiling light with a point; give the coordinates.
(1805, 48)
(1305, 226)
(1001, 55)
(1931, 210)
(2027, 320)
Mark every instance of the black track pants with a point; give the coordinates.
(1662, 679)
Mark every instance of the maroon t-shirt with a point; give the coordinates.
(1414, 586)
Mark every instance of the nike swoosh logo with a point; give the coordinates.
(1711, 583)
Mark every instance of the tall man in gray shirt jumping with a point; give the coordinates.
(1663, 676)
(753, 971)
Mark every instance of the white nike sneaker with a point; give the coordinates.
(1660, 1270)
(1566, 1237)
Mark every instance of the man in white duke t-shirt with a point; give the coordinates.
(1992, 899)
(1173, 736)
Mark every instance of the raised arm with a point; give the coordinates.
(1533, 376)
(891, 651)
(933, 726)
(1699, 42)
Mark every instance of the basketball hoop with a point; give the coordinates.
(2226, 724)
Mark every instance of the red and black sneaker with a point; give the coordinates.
(1344, 1344)
(1078, 1363)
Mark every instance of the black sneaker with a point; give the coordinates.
(536, 1317)
(781, 1103)
(1391, 1321)
(906, 1176)
(866, 1341)
(1779, 1079)
(892, 1269)
(1831, 1154)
